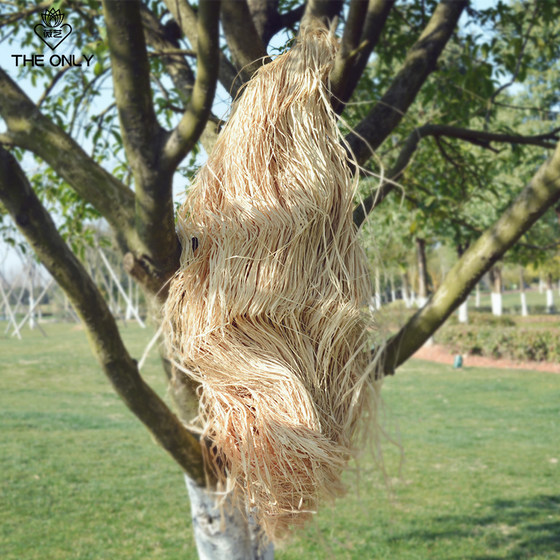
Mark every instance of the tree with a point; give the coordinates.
(425, 88)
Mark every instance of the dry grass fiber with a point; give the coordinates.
(268, 312)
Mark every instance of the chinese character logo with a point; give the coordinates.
(52, 31)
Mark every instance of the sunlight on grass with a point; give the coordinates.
(80, 478)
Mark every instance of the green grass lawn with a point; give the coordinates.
(80, 478)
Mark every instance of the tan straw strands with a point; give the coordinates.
(268, 311)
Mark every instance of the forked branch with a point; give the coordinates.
(366, 21)
(37, 226)
(420, 62)
(542, 193)
(195, 118)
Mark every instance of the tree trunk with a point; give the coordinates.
(224, 533)
(422, 272)
(393, 292)
(549, 294)
(496, 279)
(477, 296)
(524, 311)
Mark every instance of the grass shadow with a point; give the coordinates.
(508, 529)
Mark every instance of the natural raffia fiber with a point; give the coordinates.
(268, 311)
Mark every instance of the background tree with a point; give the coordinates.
(113, 137)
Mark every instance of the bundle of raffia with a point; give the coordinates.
(268, 310)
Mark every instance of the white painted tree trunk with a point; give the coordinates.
(497, 308)
(464, 312)
(406, 299)
(226, 533)
(477, 297)
(541, 285)
(377, 289)
(549, 300)
(524, 310)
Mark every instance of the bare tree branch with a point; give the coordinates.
(361, 35)
(194, 120)
(268, 21)
(542, 193)
(38, 228)
(323, 10)
(477, 137)
(143, 138)
(265, 16)
(185, 17)
(247, 49)
(178, 69)
(420, 62)
(142, 135)
(290, 18)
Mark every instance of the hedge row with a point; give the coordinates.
(539, 345)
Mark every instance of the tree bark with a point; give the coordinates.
(225, 532)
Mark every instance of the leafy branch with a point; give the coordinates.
(541, 193)
(476, 137)
(419, 63)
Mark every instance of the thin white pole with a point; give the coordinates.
(9, 310)
(119, 287)
(35, 304)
